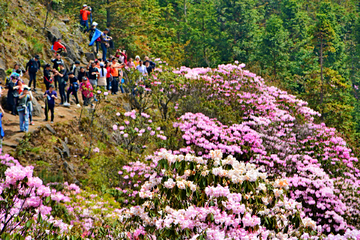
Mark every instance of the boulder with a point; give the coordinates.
(53, 34)
(2, 69)
(71, 52)
(68, 63)
(50, 128)
(89, 56)
(37, 110)
(2, 74)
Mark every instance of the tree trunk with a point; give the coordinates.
(108, 17)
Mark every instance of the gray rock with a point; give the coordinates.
(53, 34)
(9, 145)
(89, 56)
(69, 167)
(71, 52)
(2, 64)
(66, 149)
(50, 129)
(127, 106)
(37, 109)
(2, 74)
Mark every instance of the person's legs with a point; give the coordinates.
(21, 120)
(32, 77)
(26, 121)
(104, 50)
(62, 91)
(46, 112)
(52, 109)
(68, 93)
(76, 96)
(56, 79)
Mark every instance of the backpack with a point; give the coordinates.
(7, 81)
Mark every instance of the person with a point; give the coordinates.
(13, 94)
(50, 96)
(57, 61)
(75, 68)
(86, 91)
(17, 69)
(58, 47)
(152, 64)
(73, 88)
(115, 73)
(63, 77)
(31, 68)
(137, 61)
(22, 109)
(98, 40)
(121, 77)
(121, 55)
(149, 67)
(130, 63)
(2, 133)
(81, 74)
(108, 75)
(142, 68)
(93, 74)
(102, 76)
(47, 76)
(84, 16)
(30, 108)
(105, 39)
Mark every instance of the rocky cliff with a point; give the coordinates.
(25, 35)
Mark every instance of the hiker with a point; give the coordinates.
(31, 68)
(97, 40)
(2, 133)
(23, 111)
(137, 61)
(121, 77)
(115, 74)
(149, 67)
(13, 95)
(48, 80)
(50, 96)
(84, 15)
(17, 69)
(58, 47)
(73, 88)
(131, 63)
(121, 55)
(93, 74)
(108, 75)
(152, 64)
(142, 68)
(105, 39)
(81, 74)
(86, 91)
(102, 76)
(57, 61)
(62, 77)
(75, 68)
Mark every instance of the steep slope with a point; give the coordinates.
(24, 35)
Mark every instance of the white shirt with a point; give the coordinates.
(142, 69)
(105, 72)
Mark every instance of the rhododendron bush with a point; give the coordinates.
(218, 155)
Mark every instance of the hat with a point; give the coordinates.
(84, 5)
(47, 65)
(107, 30)
(84, 78)
(101, 64)
(37, 57)
(77, 62)
(70, 73)
(14, 75)
(26, 88)
(95, 24)
(51, 86)
(137, 56)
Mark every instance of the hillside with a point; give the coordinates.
(23, 35)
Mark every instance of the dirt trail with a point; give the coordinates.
(12, 128)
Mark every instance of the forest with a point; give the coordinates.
(308, 48)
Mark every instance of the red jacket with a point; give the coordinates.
(57, 46)
(84, 14)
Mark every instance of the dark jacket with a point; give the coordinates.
(33, 66)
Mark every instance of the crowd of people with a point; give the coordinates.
(66, 82)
